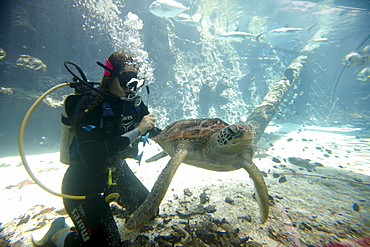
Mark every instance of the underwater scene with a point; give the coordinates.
(264, 108)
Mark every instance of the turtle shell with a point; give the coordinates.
(190, 129)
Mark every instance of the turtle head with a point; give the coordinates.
(235, 137)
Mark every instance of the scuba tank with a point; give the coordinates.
(81, 87)
(66, 138)
(68, 132)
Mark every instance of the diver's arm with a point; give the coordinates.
(132, 135)
(146, 124)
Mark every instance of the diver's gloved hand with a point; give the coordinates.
(147, 123)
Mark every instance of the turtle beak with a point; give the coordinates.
(242, 133)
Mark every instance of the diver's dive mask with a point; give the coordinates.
(129, 81)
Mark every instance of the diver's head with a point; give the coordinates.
(120, 75)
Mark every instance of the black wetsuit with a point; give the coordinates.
(99, 148)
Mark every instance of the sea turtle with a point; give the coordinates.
(207, 143)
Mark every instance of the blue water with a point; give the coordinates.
(191, 70)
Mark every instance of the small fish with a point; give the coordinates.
(240, 36)
(326, 40)
(5, 90)
(329, 40)
(364, 75)
(186, 89)
(166, 8)
(170, 84)
(290, 30)
(2, 53)
(355, 58)
(321, 39)
(365, 51)
(192, 21)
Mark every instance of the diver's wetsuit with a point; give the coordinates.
(98, 148)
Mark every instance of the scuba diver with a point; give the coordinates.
(107, 125)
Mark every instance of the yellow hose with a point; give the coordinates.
(21, 145)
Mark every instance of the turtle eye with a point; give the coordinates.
(233, 129)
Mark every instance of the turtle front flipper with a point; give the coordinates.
(157, 157)
(260, 187)
(155, 197)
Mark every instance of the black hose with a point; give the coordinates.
(84, 79)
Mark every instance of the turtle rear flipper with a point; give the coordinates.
(157, 157)
(155, 197)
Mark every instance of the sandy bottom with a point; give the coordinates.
(325, 199)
